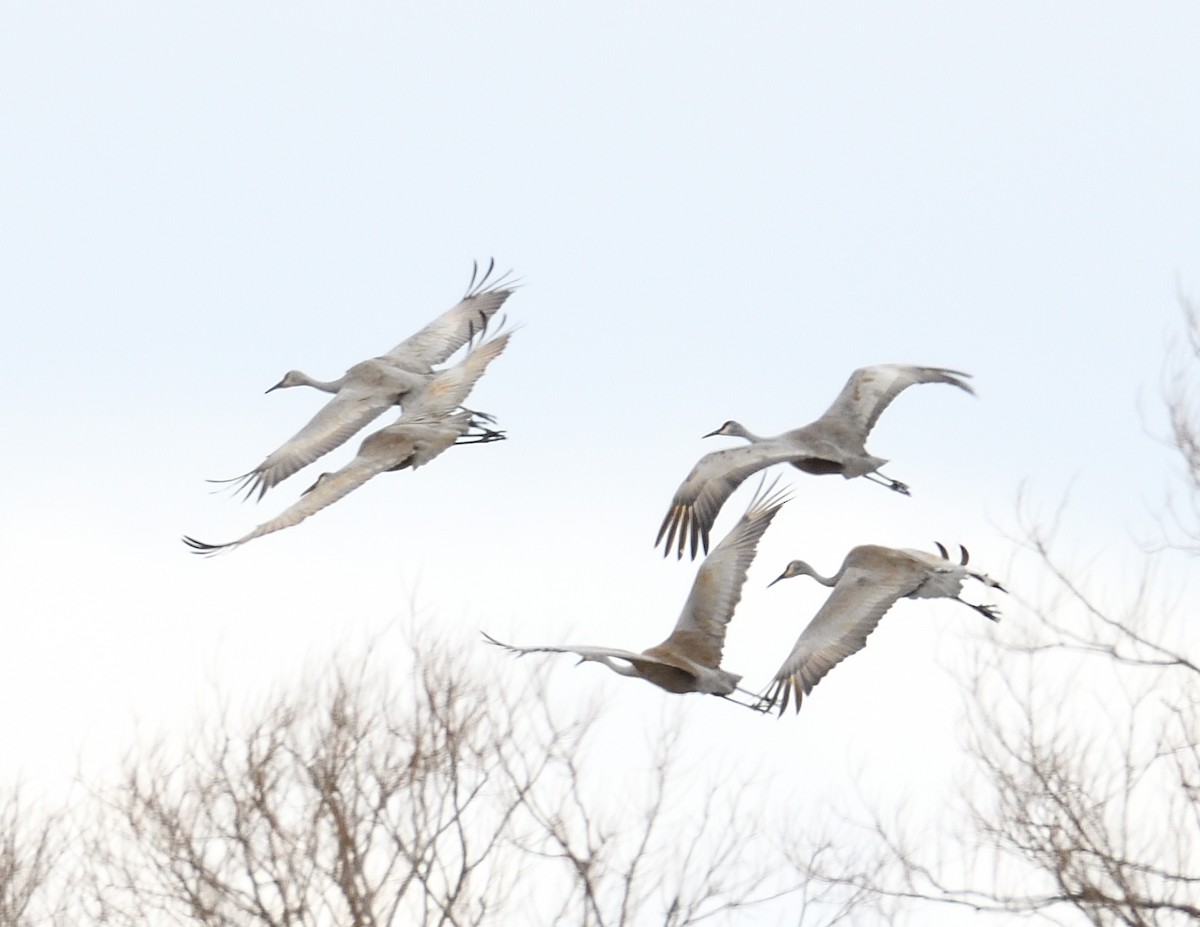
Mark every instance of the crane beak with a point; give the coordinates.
(712, 433)
(278, 385)
(777, 579)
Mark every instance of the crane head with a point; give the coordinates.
(730, 429)
(795, 568)
(291, 378)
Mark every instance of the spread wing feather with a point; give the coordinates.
(699, 498)
(338, 421)
(328, 488)
(434, 343)
(450, 387)
(870, 390)
(585, 651)
(401, 444)
(719, 581)
(839, 629)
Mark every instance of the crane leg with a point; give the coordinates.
(756, 705)
(991, 612)
(895, 485)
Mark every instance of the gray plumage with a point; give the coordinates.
(423, 431)
(833, 444)
(870, 581)
(689, 659)
(371, 387)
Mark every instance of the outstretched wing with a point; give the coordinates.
(870, 390)
(434, 343)
(699, 498)
(428, 439)
(450, 387)
(839, 628)
(586, 651)
(339, 420)
(328, 488)
(717, 589)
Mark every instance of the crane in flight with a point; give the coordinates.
(426, 428)
(689, 659)
(371, 387)
(834, 443)
(870, 581)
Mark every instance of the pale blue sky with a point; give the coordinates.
(718, 210)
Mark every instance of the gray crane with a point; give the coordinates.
(870, 581)
(428, 426)
(834, 443)
(689, 660)
(370, 388)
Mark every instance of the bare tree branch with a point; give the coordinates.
(435, 794)
(1084, 807)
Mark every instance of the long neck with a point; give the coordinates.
(738, 430)
(826, 580)
(331, 386)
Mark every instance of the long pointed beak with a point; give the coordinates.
(777, 579)
(712, 434)
(278, 385)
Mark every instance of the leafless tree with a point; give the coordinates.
(436, 793)
(1083, 805)
(668, 850)
(33, 887)
(337, 804)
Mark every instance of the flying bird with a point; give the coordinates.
(834, 443)
(424, 430)
(370, 388)
(870, 581)
(689, 660)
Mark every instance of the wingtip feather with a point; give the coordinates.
(202, 548)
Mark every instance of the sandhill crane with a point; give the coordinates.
(370, 388)
(426, 428)
(870, 581)
(834, 443)
(689, 660)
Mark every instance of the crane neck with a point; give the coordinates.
(825, 580)
(325, 386)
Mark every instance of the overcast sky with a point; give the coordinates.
(717, 211)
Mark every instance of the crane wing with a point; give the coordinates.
(870, 390)
(583, 650)
(339, 420)
(426, 439)
(700, 630)
(839, 628)
(328, 488)
(450, 387)
(434, 343)
(699, 498)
